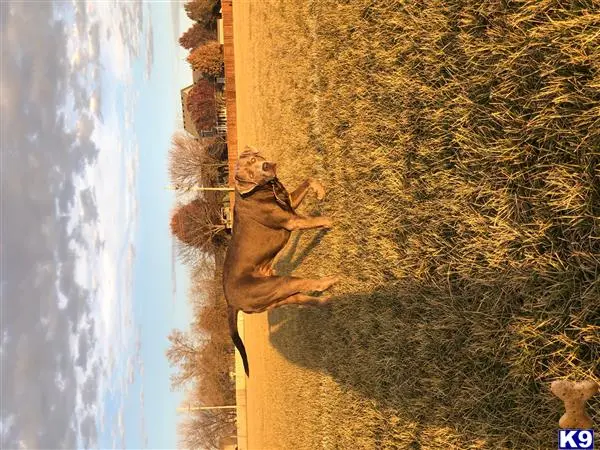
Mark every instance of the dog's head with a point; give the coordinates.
(252, 169)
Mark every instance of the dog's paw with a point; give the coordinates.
(327, 282)
(318, 188)
(324, 299)
(327, 222)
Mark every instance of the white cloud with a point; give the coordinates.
(91, 50)
(123, 19)
(76, 59)
(149, 49)
(5, 339)
(8, 96)
(105, 271)
(102, 337)
(121, 424)
(60, 381)
(6, 423)
(94, 105)
(143, 431)
(130, 370)
(63, 300)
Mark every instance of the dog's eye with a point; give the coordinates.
(253, 160)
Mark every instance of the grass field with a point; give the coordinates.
(460, 145)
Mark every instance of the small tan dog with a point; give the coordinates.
(264, 217)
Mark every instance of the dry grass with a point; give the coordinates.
(460, 144)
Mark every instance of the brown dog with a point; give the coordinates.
(264, 216)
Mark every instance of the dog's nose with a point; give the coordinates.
(267, 166)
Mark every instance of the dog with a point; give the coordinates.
(263, 218)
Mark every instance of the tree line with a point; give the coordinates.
(206, 58)
(203, 356)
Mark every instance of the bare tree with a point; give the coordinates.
(196, 161)
(217, 360)
(204, 429)
(197, 224)
(184, 353)
(211, 319)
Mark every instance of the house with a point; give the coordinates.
(188, 123)
(220, 124)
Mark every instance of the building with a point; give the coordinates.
(188, 123)
(220, 126)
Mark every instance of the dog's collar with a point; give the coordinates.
(272, 184)
(257, 187)
(275, 183)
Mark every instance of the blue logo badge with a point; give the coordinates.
(575, 439)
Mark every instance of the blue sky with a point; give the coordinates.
(156, 313)
(90, 100)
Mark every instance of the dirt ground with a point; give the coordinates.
(265, 399)
(255, 327)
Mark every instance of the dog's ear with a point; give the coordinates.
(243, 186)
(248, 152)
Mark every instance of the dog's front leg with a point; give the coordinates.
(275, 217)
(297, 222)
(298, 195)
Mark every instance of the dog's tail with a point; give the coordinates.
(235, 337)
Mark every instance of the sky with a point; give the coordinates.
(89, 99)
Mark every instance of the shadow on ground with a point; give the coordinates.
(291, 257)
(443, 356)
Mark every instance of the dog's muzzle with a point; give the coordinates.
(268, 167)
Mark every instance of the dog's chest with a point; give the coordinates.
(273, 241)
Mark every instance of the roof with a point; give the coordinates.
(188, 123)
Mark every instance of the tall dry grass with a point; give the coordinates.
(460, 142)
